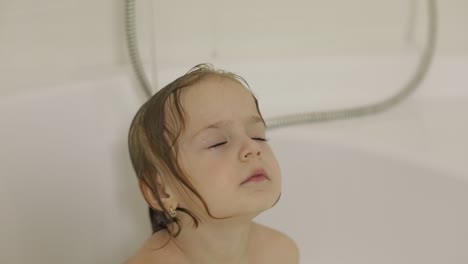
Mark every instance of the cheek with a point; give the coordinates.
(218, 177)
(275, 168)
(210, 182)
(216, 185)
(211, 176)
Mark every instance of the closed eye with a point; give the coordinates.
(222, 143)
(219, 144)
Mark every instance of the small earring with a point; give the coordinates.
(172, 212)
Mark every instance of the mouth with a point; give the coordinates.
(257, 175)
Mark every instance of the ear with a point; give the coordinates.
(165, 193)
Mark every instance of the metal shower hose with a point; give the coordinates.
(308, 117)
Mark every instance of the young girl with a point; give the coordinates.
(205, 168)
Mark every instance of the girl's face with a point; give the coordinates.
(218, 157)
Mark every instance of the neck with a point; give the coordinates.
(215, 241)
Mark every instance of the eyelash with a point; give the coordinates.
(222, 143)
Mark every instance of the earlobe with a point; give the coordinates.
(149, 195)
(166, 196)
(170, 201)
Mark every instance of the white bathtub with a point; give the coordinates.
(348, 205)
(388, 188)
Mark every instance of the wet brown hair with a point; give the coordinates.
(152, 142)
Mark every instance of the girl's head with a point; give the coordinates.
(192, 145)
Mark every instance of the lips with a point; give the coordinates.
(255, 173)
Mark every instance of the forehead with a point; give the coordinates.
(216, 98)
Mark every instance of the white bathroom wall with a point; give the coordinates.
(49, 42)
(67, 190)
(55, 41)
(261, 28)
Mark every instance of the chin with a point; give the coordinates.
(262, 201)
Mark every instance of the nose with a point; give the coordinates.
(251, 150)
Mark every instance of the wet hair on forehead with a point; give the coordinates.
(175, 116)
(189, 115)
(153, 137)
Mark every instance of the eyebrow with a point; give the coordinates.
(251, 120)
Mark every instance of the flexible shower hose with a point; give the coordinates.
(308, 117)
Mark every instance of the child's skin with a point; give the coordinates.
(217, 174)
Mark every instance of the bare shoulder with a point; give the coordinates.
(153, 251)
(137, 258)
(142, 256)
(277, 246)
(132, 260)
